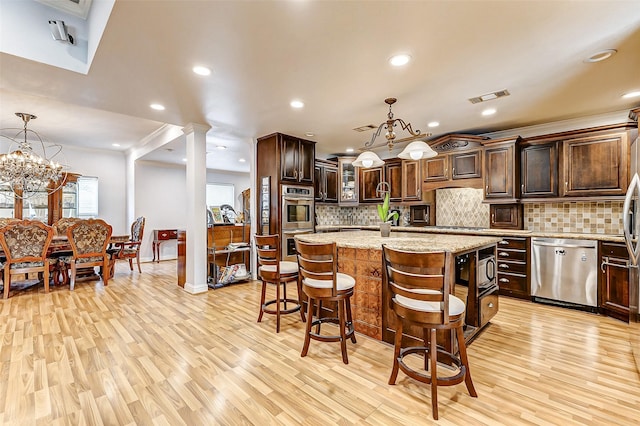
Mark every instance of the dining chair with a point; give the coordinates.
(130, 250)
(419, 285)
(278, 273)
(321, 282)
(59, 260)
(89, 239)
(25, 244)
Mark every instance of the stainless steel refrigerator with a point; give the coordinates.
(631, 224)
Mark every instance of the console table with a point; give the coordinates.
(159, 237)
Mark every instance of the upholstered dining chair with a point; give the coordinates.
(25, 244)
(59, 260)
(419, 285)
(130, 250)
(321, 282)
(89, 239)
(278, 273)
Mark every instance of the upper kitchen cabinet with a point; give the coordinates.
(458, 164)
(411, 180)
(290, 158)
(325, 181)
(348, 184)
(393, 174)
(539, 164)
(501, 170)
(592, 162)
(370, 179)
(297, 159)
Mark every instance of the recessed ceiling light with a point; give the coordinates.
(115, 144)
(157, 107)
(184, 159)
(201, 70)
(601, 55)
(296, 104)
(349, 149)
(433, 124)
(309, 134)
(489, 111)
(399, 60)
(242, 160)
(221, 147)
(631, 94)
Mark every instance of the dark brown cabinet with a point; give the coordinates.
(501, 170)
(595, 165)
(411, 180)
(539, 165)
(458, 164)
(369, 181)
(394, 177)
(613, 292)
(513, 260)
(297, 159)
(325, 181)
(506, 216)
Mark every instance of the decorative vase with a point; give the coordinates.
(385, 229)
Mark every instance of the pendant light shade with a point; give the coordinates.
(368, 159)
(416, 151)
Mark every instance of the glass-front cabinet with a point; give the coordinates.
(36, 207)
(7, 201)
(348, 186)
(70, 199)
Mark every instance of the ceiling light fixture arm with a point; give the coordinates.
(389, 125)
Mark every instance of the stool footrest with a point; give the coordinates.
(267, 310)
(417, 375)
(331, 338)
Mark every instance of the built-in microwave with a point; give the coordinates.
(297, 208)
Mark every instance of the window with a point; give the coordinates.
(87, 196)
(220, 193)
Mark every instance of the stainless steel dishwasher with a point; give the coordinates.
(565, 271)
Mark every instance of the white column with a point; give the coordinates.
(196, 268)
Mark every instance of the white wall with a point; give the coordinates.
(109, 168)
(240, 181)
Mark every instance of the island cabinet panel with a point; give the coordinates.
(365, 265)
(513, 267)
(539, 170)
(369, 181)
(613, 291)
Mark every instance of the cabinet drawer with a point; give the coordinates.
(488, 308)
(513, 282)
(520, 255)
(615, 250)
(513, 243)
(514, 267)
(167, 234)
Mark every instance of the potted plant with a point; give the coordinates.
(385, 216)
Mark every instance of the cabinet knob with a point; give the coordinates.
(493, 218)
(504, 242)
(503, 266)
(295, 174)
(504, 254)
(453, 172)
(503, 280)
(522, 187)
(491, 304)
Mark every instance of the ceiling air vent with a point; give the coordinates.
(489, 96)
(365, 128)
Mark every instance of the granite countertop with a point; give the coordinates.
(484, 231)
(402, 240)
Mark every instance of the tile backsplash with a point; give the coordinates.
(603, 217)
(461, 207)
(464, 207)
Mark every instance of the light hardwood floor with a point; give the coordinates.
(142, 351)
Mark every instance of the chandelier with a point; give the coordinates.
(26, 171)
(415, 150)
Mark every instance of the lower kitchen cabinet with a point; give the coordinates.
(506, 216)
(613, 283)
(513, 262)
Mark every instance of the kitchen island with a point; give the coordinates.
(360, 255)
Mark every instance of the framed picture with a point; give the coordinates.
(217, 214)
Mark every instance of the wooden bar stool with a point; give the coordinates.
(419, 286)
(321, 282)
(271, 270)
